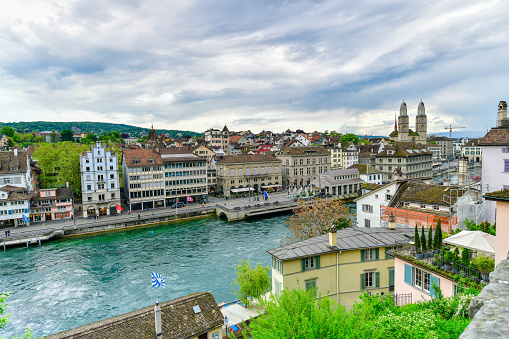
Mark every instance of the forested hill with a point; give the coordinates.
(98, 128)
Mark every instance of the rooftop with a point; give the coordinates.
(495, 137)
(347, 239)
(365, 169)
(502, 195)
(235, 159)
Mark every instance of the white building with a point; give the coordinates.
(344, 183)
(15, 169)
(14, 203)
(99, 181)
(472, 151)
(369, 174)
(369, 205)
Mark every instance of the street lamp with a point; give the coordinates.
(226, 326)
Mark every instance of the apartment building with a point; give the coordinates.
(15, 169)
(52, 204)
(472, 151)
(100, 184)
(14, 203)
(248, 173)
(404, 160)
(446, 144)
(218, 139)
(301, 165)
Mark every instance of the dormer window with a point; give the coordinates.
(136, 161)
(150, 161)
(390, 152)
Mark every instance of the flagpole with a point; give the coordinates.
(151, 289)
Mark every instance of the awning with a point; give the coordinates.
(271, 186)
(244, 189)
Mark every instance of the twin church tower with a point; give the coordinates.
(402, 131)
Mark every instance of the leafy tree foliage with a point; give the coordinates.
(252, 282)
(437, 243)
(67, 135)
(315, 217)
(423, 241)
(124, 136)
(53, 137)
(484, 226)
(417, 239)
(59, 164)
(430, 238)
(90, 138)
(8, 131)
(350, 137)
(297, 314)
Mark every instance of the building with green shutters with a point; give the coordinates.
(341, 265)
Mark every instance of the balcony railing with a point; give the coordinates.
(436, 261)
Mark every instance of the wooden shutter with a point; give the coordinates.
(363, 254)
(303, 264)
(391, 278)
(506, 165)
(435, 280)
(377, 279)
(362, 281)
(387, 256)
(318, 261)
(377, 253)
(408, 274)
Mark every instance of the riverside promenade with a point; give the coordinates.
(39, 232)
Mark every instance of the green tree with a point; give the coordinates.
(417, 239)
(430, 238)
(67, 135)
(437, 244)
(465, 256)
(365, 142)
(90, 138)
(350, 137)
(310, 219)
(39, 139)
(59, 164)
(484, 264)
(53, 137)
(252, 282)
(423, 240)
(8, 131)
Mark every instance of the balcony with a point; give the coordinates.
(434, 261)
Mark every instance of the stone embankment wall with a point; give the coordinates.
(490, 309)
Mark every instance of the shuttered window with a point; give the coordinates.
(408, 274)
(391, 280)
(370, 280)
(310, 263)
(506, 165)
(435, 280)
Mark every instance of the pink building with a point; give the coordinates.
(501, 217)
(52, 204)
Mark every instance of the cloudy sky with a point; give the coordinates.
(273, 65)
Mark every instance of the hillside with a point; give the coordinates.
(97, 128)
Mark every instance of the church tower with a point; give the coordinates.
(421, 124)
(403, 122)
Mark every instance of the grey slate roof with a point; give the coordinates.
(354, 238)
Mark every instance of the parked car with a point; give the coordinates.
(178, 205)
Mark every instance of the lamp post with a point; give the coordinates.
(226, 326)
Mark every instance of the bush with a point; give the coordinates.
(484, 264)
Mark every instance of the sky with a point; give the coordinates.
(258, 65)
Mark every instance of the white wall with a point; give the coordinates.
(374, 199)
(493, 176)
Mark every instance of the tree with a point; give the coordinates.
(350, 137)
(8, 131)
(438, 235)
(417, 240)
(125, 136)
(465, 256)
(430, 238)
(59, 164)
(39, 139)
(315, 217)
(365, 142)
(90, 138)
(67, 135)
(423, 240)
(252, 282)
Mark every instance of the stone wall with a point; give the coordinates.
(490, 309)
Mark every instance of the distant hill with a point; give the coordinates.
(97, 128)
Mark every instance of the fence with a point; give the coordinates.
(402, 298)
(422, 219)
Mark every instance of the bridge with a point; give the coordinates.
(255, 209)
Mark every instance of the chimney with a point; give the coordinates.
(502, 115)
(15, 152)
(157, 311)
(462, 169)
(392, 221)
(333, 237)
(67, 184)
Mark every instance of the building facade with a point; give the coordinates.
(341, 265)
(446, 144)
(344, 183)
(52, 204)
(407, 160)
(100, 184)
(472, 151)
(14, 203)
(248, 173)
(301, 165)
(402, 131)
(15, 169)
(218, 139)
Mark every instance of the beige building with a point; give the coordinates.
(446, 144)
(340, 265)
(218, 139)
(248, 173)
(404, 160)
(205, 152)
(301, 165)
(472, 151)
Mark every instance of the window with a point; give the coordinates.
(277, 265)
(232, 173)
(370, 280)
(310, 263)
(87, 168)
(369, 254)
(240, 172)
(435, 207)
(367, 208)
(310, 284)
(506, 165)
(100, 186)
(89, 187)
(388, 197)
(112, 185)
(89, 198)
(423, 206)
(420, 279)
(112, 176)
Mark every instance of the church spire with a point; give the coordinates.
(395, 122)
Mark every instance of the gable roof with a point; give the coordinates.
(352, 238)
(178, 320)
(401, 150)
(495, 137)
(426, 193)
(366, 169)
(9, 163)
(142, 156)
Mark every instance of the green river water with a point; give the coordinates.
(72, 282)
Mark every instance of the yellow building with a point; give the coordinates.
(340, 265)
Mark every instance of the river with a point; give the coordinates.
(73, 282)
